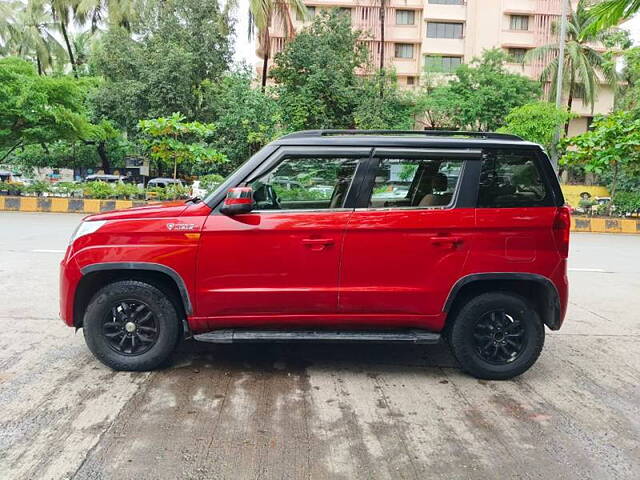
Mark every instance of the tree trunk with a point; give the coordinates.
(265, 60)
(614, 182)
(104, 158)
(39, 65)
(569, 102)
(382, 19)
(69, 49)
(265, 69)
(175, 168)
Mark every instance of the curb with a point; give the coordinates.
(82, 205)
(605, 225)
(64, 205)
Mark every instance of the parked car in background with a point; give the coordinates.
(479, 262)
(161, 183)
(106, 178)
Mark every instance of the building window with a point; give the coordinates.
(517, 54)
(404, 50)
(519, 22)
(440, 64)
(447, 2)
(444, 30)
(411, 80)
(311, 12)
(405, 17)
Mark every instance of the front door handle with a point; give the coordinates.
(446, 241)
(318, 243)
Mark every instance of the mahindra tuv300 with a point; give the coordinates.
(348, 236)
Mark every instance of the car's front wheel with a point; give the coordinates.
(497, 336)
(131, 325)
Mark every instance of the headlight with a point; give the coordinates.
(86, 228)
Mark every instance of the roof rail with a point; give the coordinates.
(427, 133)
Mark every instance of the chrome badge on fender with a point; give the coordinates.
(181, 226)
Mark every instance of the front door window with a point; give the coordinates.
(305, 183)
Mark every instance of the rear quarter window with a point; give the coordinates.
(511, 178)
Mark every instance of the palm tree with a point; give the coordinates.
(261, 14)
(27, 31)
(584, 66)
(611, 12)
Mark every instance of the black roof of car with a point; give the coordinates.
(406, 138)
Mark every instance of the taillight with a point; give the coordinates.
(561, 228)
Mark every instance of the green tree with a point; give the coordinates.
(27, 30)
(317, 85)
(246, 118)
(181, 45)
(584, 65)
(261, 16)
(612, 147)
(609, 13)
(536, 122)
(383, 106)
(479, 96)
(172, 141)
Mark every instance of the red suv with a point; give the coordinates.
(352, 236)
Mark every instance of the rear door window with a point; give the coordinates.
(511, 178)
(415, 182)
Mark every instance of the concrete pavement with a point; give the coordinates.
(324, 411)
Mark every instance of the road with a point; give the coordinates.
(325, 411)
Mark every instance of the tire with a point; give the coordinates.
(496, 336)
(120, 321)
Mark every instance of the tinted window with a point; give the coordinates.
(405, 17)
(440, 64)
(512, 179)
(415, 183)
(519, 22)
(444, 30)
(305, 183)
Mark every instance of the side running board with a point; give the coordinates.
(347, 336)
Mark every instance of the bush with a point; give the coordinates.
(127, 191)
(37, 188)
(98, 190)
(627, 203)
(210, 182)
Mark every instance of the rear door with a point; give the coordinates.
(407, 242)
(278, 265)
(515, 215)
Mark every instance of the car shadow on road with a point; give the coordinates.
(285, 356)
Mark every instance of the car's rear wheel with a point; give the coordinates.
(497, 336)
(131, 325)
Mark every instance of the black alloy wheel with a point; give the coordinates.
(499, 338)
(130, 328)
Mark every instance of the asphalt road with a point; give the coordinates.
(293, 412)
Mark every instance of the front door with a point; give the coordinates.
(278, 265)
(407, 243)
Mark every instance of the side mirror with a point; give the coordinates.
(239, 200)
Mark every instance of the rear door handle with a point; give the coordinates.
(318, 242)
(446, 241)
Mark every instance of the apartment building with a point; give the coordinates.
(439, 35)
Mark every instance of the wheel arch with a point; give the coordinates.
(538, 289)
(97, 275)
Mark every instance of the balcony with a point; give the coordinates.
(403, 33)
(523, 7)
(518, 38)
(445, 12)
(443, 46)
